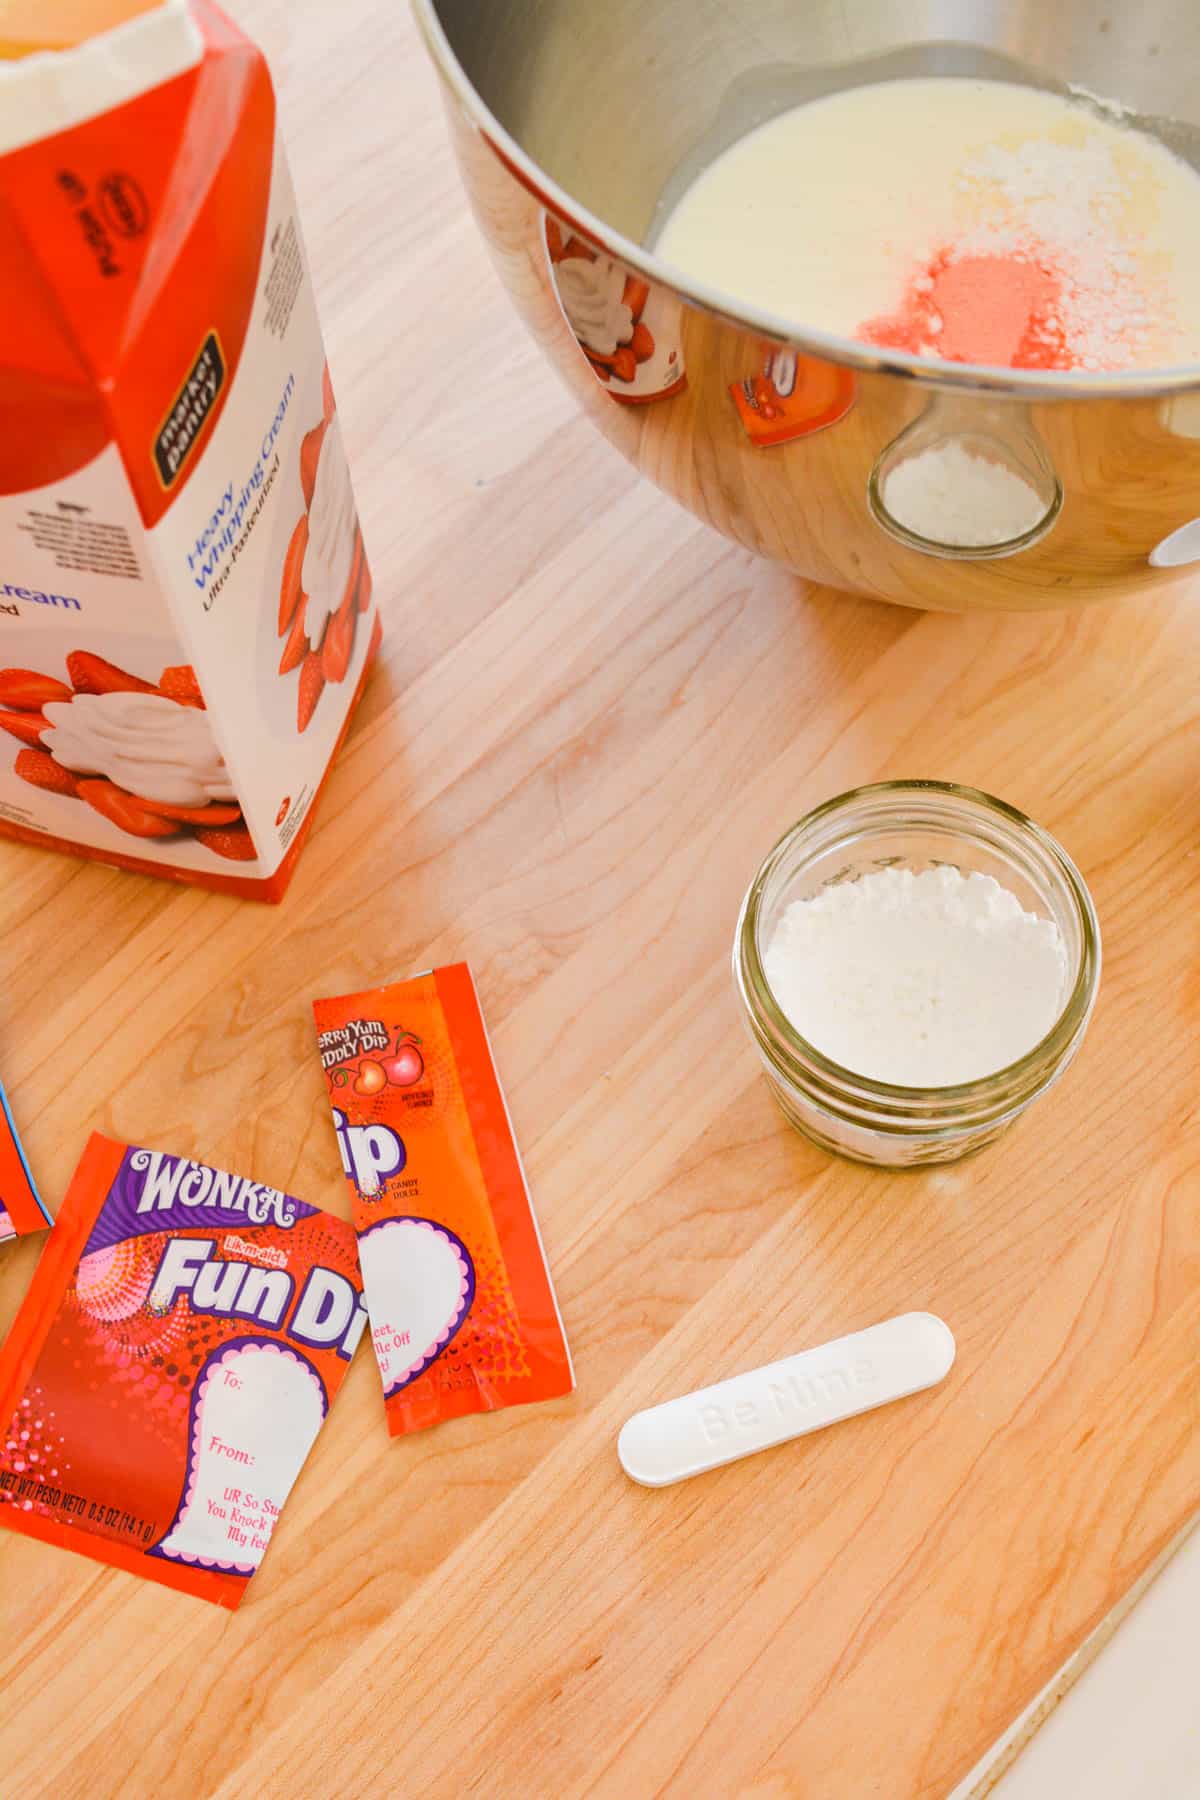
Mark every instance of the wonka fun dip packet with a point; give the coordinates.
(463, 1313)
(21, 1208)
(183, 1338)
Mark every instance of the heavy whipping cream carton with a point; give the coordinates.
(186, 614)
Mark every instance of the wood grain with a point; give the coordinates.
(592, 719)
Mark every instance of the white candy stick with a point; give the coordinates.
(787, 1399)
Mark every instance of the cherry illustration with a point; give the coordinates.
(406, 1068)
(371, 1078)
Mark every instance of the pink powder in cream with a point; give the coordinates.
(1006, 310)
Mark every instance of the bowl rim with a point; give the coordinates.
(1029, 384)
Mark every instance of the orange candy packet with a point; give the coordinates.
(792, 396)
(21, 1209)
(463, 1313)
(180, 1345)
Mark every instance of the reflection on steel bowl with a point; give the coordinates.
(571, 123)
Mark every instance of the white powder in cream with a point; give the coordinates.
(919, 980)
(840, 212)
(950, 495)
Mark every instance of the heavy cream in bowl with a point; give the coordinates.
(966, 220)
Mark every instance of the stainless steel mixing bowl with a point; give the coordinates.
(574, 122)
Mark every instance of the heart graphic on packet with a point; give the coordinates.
(419, 1282)
(250, 1386)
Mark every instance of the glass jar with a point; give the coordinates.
(917, 825)
(998, 444)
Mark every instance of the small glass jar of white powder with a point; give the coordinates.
(917, 962)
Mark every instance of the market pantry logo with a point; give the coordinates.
(12, 592)
(181, 429)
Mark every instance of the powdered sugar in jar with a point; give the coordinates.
(917, 962)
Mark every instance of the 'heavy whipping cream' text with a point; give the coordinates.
(234, 516)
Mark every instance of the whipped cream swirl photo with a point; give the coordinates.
(332, 527)
(592, 295)
(147, 744)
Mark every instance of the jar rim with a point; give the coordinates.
(1011, 1084)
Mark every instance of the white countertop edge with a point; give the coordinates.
(1004, 1752)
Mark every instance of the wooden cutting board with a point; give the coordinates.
(592, 719)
